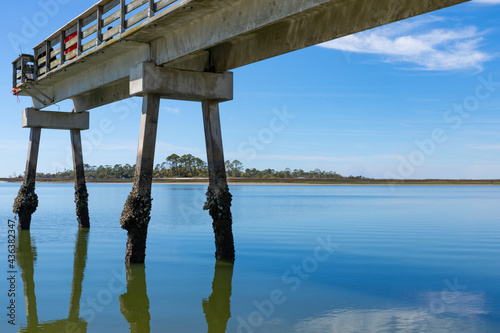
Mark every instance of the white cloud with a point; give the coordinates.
(491, 2)
(485, 147)
(457, 313)
(299, 158)
(172, 110)
(165, 146)
(415, 42)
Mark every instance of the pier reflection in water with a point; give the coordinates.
(134, 303)
(217, 307)
(402, 257)
(26, 256)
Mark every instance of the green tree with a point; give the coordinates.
(173, 162)
(186, 165)
(237, 168)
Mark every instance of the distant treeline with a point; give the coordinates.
(188, 166)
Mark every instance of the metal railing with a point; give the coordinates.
(96, 26)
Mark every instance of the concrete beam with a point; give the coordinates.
(109, 70)
(234, 32)
(41, 94)
(33, 118)
(147, 78)
(247, 31)
(106, 94)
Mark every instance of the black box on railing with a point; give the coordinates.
(22, 69)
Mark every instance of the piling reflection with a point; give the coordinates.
(217, 307)
(26, 256)
(134, 304)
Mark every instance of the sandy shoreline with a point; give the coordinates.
(230, 183)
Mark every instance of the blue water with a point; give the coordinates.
(308, 259)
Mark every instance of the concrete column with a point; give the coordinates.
(136, 213)
(218, 197)
(81, 195)
(26, 201)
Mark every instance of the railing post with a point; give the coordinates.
(47, 57)
(14, 74)
(79, 37)
(62, 56)
(123, 12)
(99, 25)
(35, 66)
(151, 10)
(23, 69)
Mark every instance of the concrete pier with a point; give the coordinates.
(81, 195)
(136, 213)
(177, 50)
(219, 199)
(26, 201)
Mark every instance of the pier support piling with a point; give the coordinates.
(26, 201)
(136, 213)
(81, 194)
(218, 197)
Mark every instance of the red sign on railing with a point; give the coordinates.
(72, 47)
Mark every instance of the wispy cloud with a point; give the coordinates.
(160, 147)
(461, 309)
(301, 158)
(484, 147)
(13, 145)
(416, 42)
(171, 110)
(491, 2)
(165, 146)
(321, 158)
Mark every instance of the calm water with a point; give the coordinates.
(308, 259)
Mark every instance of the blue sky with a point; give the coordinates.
(416, 99)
